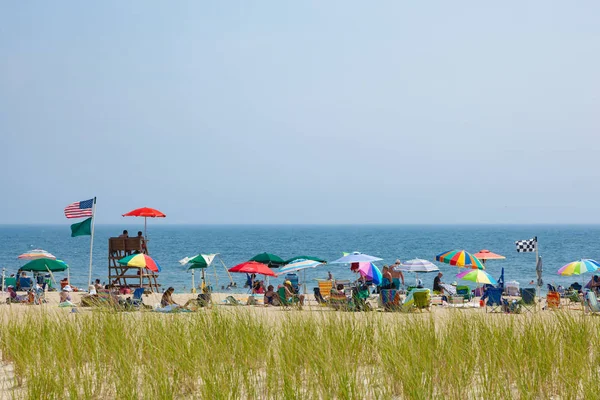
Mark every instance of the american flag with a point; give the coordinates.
(79, 209)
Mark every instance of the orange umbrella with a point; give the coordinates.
(145, 212)
(488, 255)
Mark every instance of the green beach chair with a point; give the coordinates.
(422, 300)
(287, 302)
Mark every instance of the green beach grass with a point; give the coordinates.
(231, 353)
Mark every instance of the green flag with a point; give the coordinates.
(82, 228)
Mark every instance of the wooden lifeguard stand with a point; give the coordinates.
(122, 275)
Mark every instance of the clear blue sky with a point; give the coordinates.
(301, 112)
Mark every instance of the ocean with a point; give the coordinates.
(558, 245)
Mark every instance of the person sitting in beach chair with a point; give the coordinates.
(65, 297)
(338, 299)
(14, 298)
(290, 295)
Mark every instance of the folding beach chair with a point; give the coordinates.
(136, 299)
(339, 301)
(390, 299)
(325, 288)
(465, 292)
(318, 297)
(494, 299)
(422, 299)
(553, 300)
(528, 298)
(592, 302)
(287, 302)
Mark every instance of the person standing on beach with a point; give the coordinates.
(397, 275)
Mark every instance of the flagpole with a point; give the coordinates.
(537, 260)
(92, 242)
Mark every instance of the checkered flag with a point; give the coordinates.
(526, 246)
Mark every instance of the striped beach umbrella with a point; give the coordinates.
(579, 267)
(460, 258)
(140, 261)
(36, 254)
(478, 276)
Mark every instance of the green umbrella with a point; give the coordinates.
(44, 265)
(268, 258)
(317, 259)
(198, 262)
(201, 261)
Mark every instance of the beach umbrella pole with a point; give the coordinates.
(3, 272)
(193, 283)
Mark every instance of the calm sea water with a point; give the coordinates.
(167, 244)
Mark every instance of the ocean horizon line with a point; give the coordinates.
(171, 224)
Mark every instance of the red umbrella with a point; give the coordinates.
(253, 267)
(145, 212)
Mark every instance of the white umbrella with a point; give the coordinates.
(356, 257)
(417, 265)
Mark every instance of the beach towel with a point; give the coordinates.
(171, 308)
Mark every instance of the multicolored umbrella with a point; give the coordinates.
(253, 267)
(370, 271)
(291, 260)
(579, 267)
(145, 212)
(460, 258)
(44, 265)
(478, 276)
(35, 254)
(268, 259)
(140, 261)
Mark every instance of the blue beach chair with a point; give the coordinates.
(494, 299)
(136, 299)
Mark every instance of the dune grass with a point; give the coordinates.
(236, 353)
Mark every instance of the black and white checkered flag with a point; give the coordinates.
(525, 246)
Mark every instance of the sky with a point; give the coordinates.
(282, 112)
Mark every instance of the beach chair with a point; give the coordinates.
(232, 301)
(9, 282)
(360, 295)
(592, 302)
(390, 299)
(494, 299)
(318, 297)
(25, 284)
(136, 299)
(422, 300)
(287, 302)
(465, 292)
(325, 288)
(339, 301)
(553, 300)
(528, 299)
